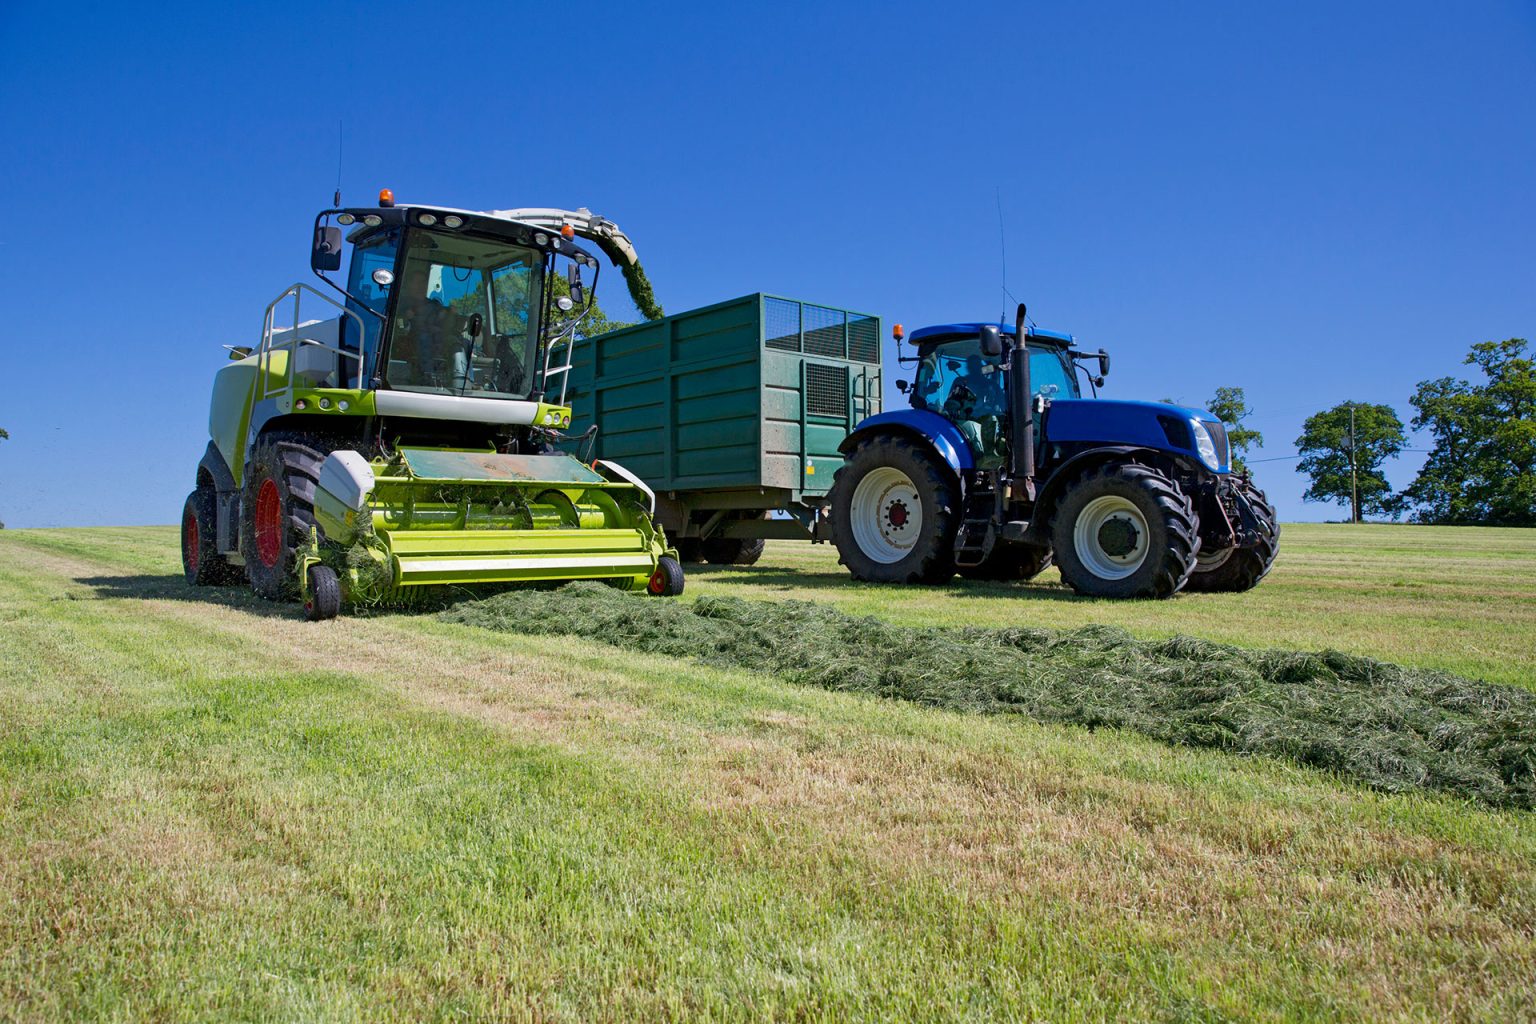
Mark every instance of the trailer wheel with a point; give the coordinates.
(200, 559)
(689, 549)
(667, 580)
(893, 513)
(1231, 570)
(277, 512)
(1009, 562)
(733, 550)
(1126, 531)
(324, 599)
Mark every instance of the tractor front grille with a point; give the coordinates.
(826, 390)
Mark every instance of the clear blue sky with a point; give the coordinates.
(1316, 202)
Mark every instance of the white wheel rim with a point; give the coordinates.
(886, 514)
(1213, 561)
(1110, 537)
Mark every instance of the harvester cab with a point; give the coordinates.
(407, 435)
(1000, 466)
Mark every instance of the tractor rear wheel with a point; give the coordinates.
(1231, 570)
(1009, 562)
(200, 558)
(277, 512)
(893, 513)
(1125, 530)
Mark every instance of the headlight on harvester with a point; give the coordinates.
(1204, 445)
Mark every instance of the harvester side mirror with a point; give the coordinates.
(991, 341)
(578, 290)
(326, 254)
(1103, 363)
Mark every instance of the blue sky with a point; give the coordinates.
(1315, 202)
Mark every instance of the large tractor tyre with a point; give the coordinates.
(1231, 570)
(1126, 531)
(1010, 562)
(893, 513)
(278, 511)
(200, 559)
(733, 550)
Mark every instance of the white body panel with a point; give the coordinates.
(454, 407)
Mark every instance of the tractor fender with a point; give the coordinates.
(215, 471)
(929, 427)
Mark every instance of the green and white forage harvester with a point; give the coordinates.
(406, 438)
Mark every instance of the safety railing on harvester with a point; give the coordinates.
(302, 350)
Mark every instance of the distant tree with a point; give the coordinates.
(1482, 468)
(1231, 407)
(1342, 451)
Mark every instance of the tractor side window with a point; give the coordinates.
(1050, 374)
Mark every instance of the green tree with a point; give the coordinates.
(1482, 467)
(1342, 451)
(1231, 407)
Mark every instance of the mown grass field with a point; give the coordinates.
(210, 809)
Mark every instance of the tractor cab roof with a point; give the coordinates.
(948, 332)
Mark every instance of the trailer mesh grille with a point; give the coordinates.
(826, 390)
(863, 338)
(824, 332)
(781, 324)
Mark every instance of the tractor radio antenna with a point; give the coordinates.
(336, 201)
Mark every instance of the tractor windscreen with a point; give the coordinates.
(958, 382)
(449, 284)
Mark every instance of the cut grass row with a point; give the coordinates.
(210, 809)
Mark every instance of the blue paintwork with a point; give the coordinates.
(938, 431)
(1111, 421)
(973, 330)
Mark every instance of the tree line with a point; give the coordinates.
(1481, 466)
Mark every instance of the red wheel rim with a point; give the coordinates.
(658, 582)
(189, 540)
(269, 524)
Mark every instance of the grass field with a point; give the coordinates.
(209, 809)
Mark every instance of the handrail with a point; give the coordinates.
(292, 342)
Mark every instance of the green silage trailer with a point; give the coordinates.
(731, 413)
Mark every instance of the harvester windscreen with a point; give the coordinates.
(447, 281)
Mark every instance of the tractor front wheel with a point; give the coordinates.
(1125, 530)
(1232, 570)
(893, 518)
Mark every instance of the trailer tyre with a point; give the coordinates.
(324, 600)
(733, 550)
(200, 559)
(277, 512)
(1232, 570)
(1009, 562)
(893, 513)
(1125, 530)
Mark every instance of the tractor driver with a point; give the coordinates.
(976, 392)
(424, 328)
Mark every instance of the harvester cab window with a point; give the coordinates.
(367, 259)
(445, 284)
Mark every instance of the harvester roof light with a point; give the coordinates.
(386, 197)
(452, 221)
(426, 220)
(566, 231)
(540, 238)
(345, 219)
(373, 220)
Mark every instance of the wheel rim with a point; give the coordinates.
(886, 514)
(658, 581)
(269, 524)
(1110, 537)
(1215, 560)
(189, 539)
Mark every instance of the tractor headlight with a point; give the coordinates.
(1204, 445)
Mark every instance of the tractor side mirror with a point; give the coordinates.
(326, 254)
(578, 290)
(902, 386)
(1103, 363)
(991, 341)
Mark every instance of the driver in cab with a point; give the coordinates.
(424, 327)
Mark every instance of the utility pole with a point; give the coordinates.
(1354, 479)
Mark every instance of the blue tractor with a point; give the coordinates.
(1000, 465)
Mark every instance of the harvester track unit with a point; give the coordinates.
(407, 437)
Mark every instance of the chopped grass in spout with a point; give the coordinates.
(1383, 725)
